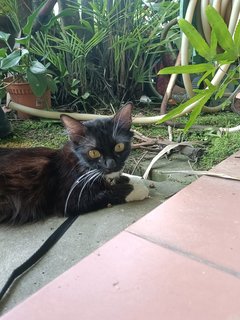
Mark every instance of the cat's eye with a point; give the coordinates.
(94, 154)
(119, 147)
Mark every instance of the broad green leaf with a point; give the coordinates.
(4, 36)
(220, 28)
(12, 59)
(27, 29)
(75, 91)
(195, 39)
(23, 40)
(196, 68)
(37, 67)
(37, 83)
(19, 69)
(85, 95)
(51, 84)
(237, 38)
(75, 82)
(3, 52)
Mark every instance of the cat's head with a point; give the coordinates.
(102, 144)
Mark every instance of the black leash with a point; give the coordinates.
(45, 247)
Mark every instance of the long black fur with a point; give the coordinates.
(38, 182)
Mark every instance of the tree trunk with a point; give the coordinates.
(44, 14)
(74, 19)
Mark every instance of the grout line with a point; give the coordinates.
(187, 254)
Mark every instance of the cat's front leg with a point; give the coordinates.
(139, 191)
(132, 187)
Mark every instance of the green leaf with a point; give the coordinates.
(225, 57)
(37, 67)
(193, 116)
(196, 68)
(195, 39)
(27, 29)
(218, 25)
(176, 111)
(13, 59)
(23, 40)
(237, 38)
(63, 13)
(197, 110)
(206, 74)
(203, 96)
(85, 95)
(3, 52)
(37, 83)
(2, 93)
(51, 84)
(213, 45)
(4, 36)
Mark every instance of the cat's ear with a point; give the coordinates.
(124, 116)
(76, 129)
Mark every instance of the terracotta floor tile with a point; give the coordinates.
(203, 219)
(130, 278)
(230, 165)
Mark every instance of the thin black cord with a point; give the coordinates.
(37, 255)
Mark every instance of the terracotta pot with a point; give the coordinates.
(21, 93)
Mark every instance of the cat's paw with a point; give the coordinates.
(139, 192)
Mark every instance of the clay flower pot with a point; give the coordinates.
(21, 92)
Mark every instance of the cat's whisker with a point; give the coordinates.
(89, 179)
(94, 176)
(75, 184)
(99, 176)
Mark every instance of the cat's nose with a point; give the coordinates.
(110, 164)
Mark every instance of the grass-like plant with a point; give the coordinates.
(111, 63)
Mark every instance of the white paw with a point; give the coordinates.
(111, 177)
(140, 191)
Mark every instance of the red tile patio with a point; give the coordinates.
(181, 261)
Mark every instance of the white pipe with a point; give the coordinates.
(78, 116)
(205, 24)
(217, 5)
(224, 5)
(234, 16)
(184, 49)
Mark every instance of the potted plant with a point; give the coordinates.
(25, 78)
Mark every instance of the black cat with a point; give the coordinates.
(82, 176)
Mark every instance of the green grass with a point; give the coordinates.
(35, 133)
(219, 149)
(32, 133)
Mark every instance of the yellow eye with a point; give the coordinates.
(94, 154)
(119, 147)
